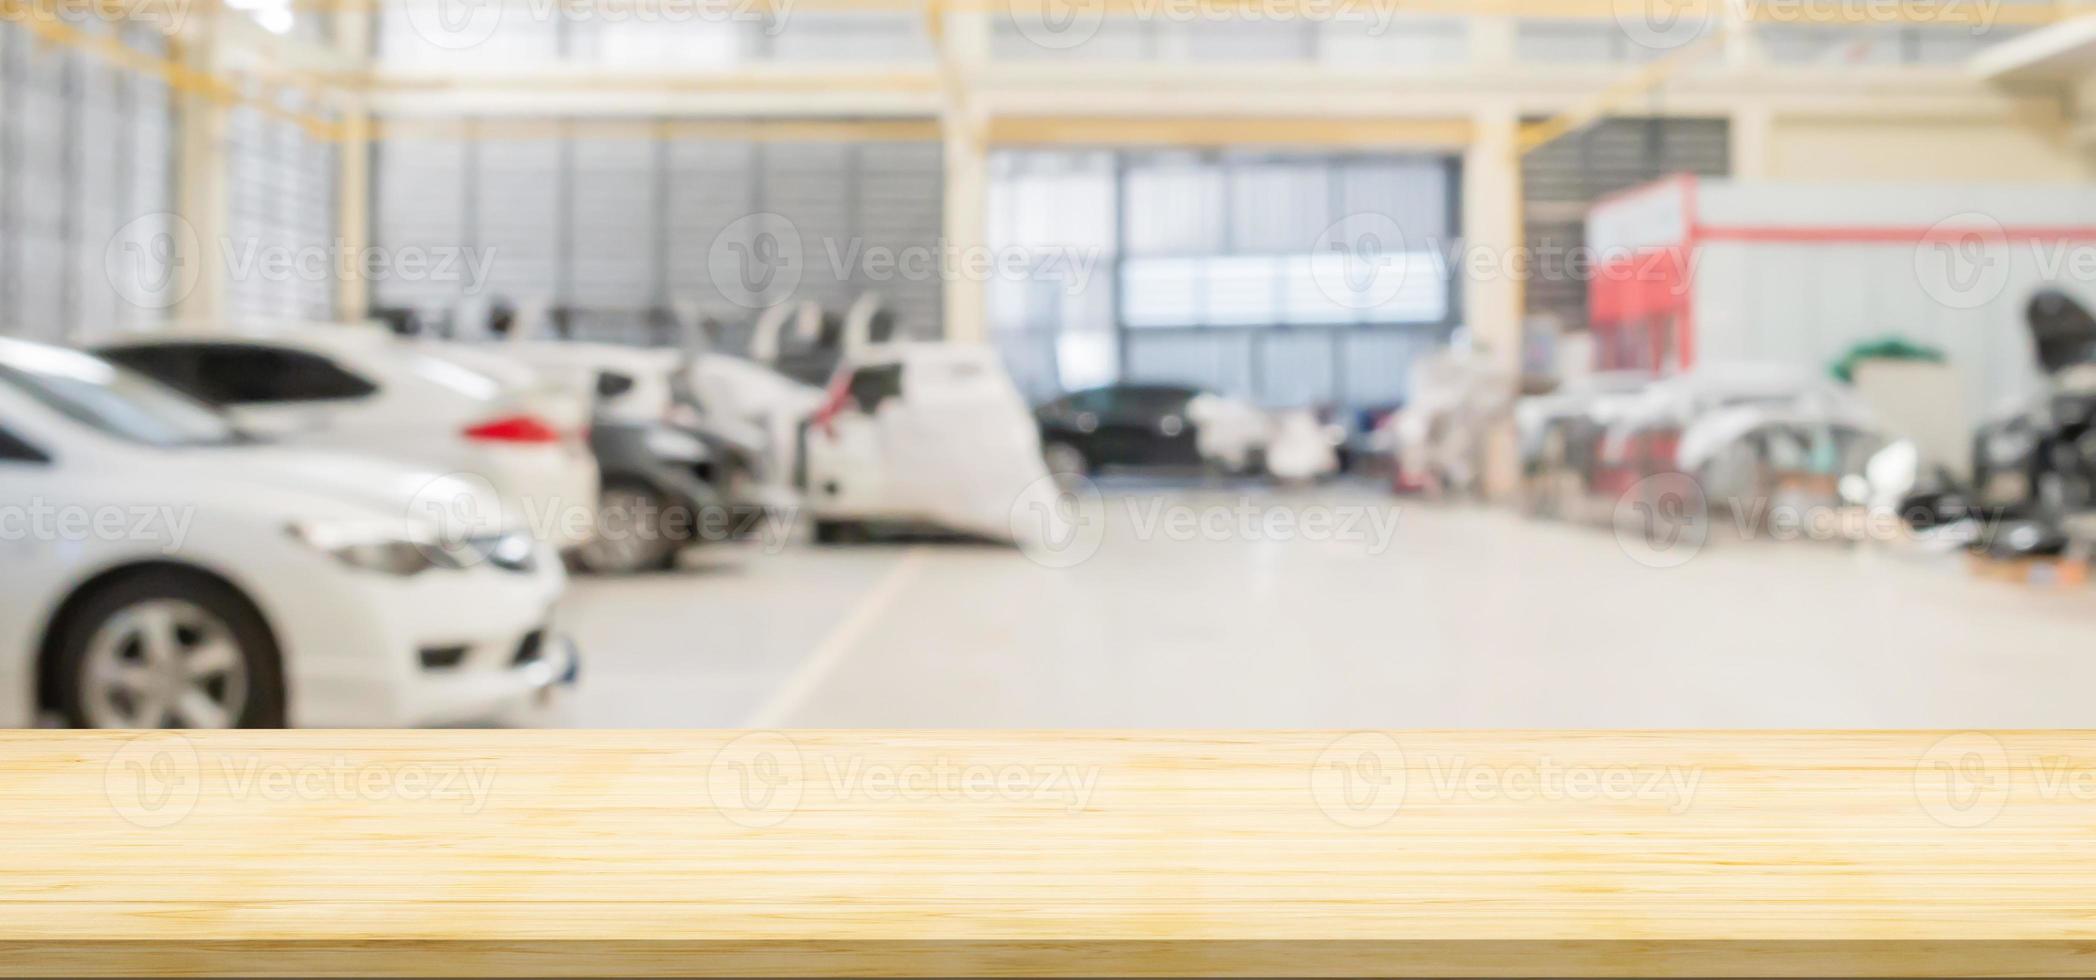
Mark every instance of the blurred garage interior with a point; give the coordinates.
(1047, 363)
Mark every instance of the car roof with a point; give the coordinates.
(338, 336)
(28, 352)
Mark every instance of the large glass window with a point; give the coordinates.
(1226, 240)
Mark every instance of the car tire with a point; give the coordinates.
(839, 532)
(1064, 459)
(186, 640)
(633, 535)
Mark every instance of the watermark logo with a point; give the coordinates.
(944, 780)
(1963, 261)
(1059, 521)
(166, 16)
(757, 260)
(1358, 262)
(1664, 24)
(155, 261)
(1663, 520)
(460, 24)
(756, 780)
(1359, 779)
(151, 262)
(1963, 780)
(1057, 25)
(457, 508)
(153, 780)
(455, 25)
(1064, 24)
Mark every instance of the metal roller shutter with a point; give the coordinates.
(900, 200)
(614, 227)
(518, 193)
(815, 187)
(616, 244)
(280, 202)
(419, 203)
(711, 183)
(149, 158)
(41, 86)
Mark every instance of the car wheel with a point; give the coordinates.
(169, 650)
(633, 534)
(839, 532)
(1064, 459)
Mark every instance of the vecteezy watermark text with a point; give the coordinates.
(1363, 779)
(1061, 521)
(759, 260)
(1665, 24)
(40, 520)
(760, 779)
(1967, 779)
(1064, 24)
(155, 261)
(460, 24)
(156, 780)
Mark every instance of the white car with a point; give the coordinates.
(166, 571)
(925, 434)
(447, 407)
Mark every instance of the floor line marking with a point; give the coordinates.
(840, 642)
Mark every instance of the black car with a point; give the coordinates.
(1137, 425)
(666, 486)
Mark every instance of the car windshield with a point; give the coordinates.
(99, 394)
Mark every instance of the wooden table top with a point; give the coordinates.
(936, 854)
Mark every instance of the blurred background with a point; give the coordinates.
(1036, 363)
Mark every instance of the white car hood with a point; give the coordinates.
(350, 485)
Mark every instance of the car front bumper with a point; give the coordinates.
(445, 647)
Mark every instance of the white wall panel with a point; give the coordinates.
(493, 33)
(828, 36)
(1356, 38)
(1107, 39)
(1236, 39)
(690, 40)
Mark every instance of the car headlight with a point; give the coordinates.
(373, 549)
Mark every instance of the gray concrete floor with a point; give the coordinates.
(1469, 617)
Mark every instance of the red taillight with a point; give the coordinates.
(516, 429)
(834, 401)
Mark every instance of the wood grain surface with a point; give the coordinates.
(936, 854)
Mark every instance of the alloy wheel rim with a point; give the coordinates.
(618, 546)
(164, 663)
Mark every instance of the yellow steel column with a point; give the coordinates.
(200, 173)
(963, 41)
(353, 186)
